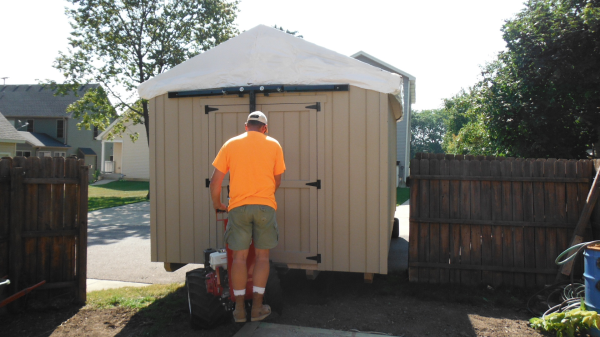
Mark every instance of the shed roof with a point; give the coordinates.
(8, 133)
(38, 139)
(33, 100)
(268, 56)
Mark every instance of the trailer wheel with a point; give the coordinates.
(396, 228)
(206, 310)
(273, 292)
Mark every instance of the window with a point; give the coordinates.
(30, 125)
(60, 128)
(95, 132)
(43, 154)
(23, 153)
(60, 154)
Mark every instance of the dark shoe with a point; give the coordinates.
(239, 314)
(259, 311)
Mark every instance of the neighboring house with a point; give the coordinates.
(41, 118)
(130, 159)
(403, 127)
(9, 138)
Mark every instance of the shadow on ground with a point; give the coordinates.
(112, 225)
(335, 300)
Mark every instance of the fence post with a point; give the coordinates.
(83, 220)
(16, 221)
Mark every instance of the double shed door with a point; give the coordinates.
(295, 127)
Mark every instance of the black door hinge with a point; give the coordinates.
(208, 109)
(315, 258)
(317, 106)
(317, 184)
(207, 182)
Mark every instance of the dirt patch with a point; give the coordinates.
(340, 301)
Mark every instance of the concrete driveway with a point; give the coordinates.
(119, 247)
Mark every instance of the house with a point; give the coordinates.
(403, 127)
(130, 159)
(9, 138)
(42, 120)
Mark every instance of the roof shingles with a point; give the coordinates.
(27, 100)
(8, 131)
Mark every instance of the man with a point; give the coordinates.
(255, 162)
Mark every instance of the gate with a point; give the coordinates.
(43, 224)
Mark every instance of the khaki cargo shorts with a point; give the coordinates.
(252, 222)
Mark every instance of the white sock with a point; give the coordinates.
(258, 290)
(239, 292)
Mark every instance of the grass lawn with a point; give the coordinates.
(117, 193)
(402, 194)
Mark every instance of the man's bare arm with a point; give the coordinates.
(277, 181)
(215, 189)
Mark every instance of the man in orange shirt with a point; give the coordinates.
(255, 162)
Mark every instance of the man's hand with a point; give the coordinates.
(215, 190)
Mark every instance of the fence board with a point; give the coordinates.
(518, 231)
(424, 227)
(528, 215)
(5, 168)
(493, 220)
(475, 214)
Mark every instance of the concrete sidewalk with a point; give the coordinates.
(261, 329)
(95, 284)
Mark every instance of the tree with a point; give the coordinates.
(122, 43)
(291, 32)
(427, 131)
(541, 97)
(466, 127)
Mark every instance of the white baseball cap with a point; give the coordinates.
(257, 116)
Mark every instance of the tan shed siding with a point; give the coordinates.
(9, 148)
(161, 211)
(186, 187)
(171, 121)
(341, 197)
(358, 179)
(372, 193)
(152, 169)
(135, 155)
(327, 224)
(385, 115)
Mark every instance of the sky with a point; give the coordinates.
(442, 43)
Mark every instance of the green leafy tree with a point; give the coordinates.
(291, 32)
(541, 97)
(427, 131)
(122, 43)
(467, 131)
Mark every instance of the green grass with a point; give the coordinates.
(117, 193)
(402, 194)
(155, 304)
(130, 297)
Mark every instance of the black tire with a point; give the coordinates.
(206, 310)
(396, 228)
(273, 292)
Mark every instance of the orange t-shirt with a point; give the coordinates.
(254, 160)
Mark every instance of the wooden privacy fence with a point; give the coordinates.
(493, 220)
(43, 224)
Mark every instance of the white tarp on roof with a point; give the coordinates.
(263, 56)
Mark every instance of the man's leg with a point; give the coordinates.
(261, 268)
(239, 269)
(239, 276)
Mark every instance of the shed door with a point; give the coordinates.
(225, 122)
(295, 127)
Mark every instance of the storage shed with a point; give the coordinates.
(335, 118)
